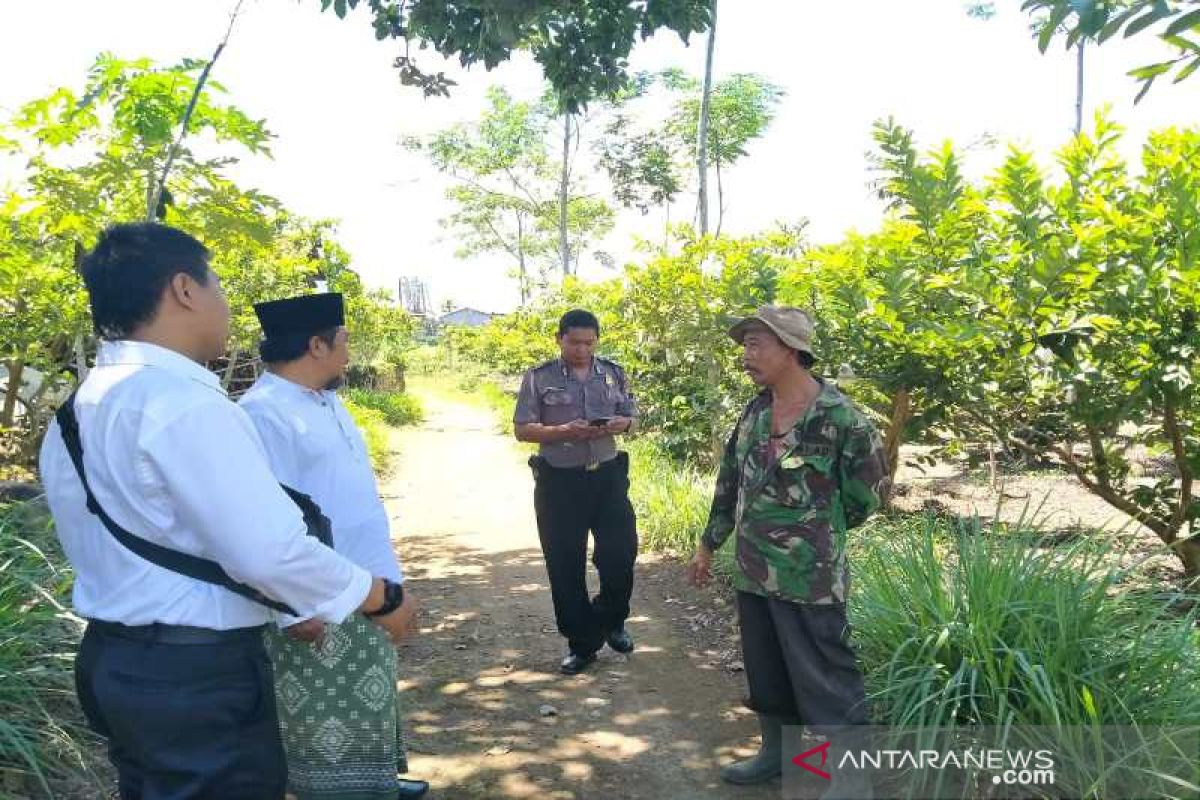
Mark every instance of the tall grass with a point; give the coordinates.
(961, 624)
(671, 500)
(397, 408)
(45, 747)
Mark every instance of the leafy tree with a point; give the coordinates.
(93, 159)
(583, 45)
(507, 192)
(1103, 272)
(1059, 319)
(740, 109)
(1100, 20)
(895, 306)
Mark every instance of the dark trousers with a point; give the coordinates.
(799, 663)
(569, 503)
(183, 721)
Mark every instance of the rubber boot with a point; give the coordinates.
(767, 763)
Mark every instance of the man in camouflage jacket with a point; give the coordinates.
(801, 468)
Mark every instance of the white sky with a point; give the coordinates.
(329, 93)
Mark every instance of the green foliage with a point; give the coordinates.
(671, 500)
(959, 626)
(648, 165)
(374, 427)
(1177, 21)
(397, 409)
(92, 159)
(741, 108)
(665, 324)
(582, 46)
(45, 745)
(1041, 315)
(507, 191)
(1058, 320)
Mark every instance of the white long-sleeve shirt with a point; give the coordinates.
(314, 447)
(173, 461)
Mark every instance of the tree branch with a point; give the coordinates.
(1099, 458)
(1102, 488)
(156, 193)
(1175, 435)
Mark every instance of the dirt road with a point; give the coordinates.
(488, 714)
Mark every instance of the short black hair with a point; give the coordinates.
(806, 359)
(285, 349)
(127, 270)
(578, 318)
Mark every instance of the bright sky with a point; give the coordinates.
(329, 93)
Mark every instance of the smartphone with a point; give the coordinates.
(600, 423)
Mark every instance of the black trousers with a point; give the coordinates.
(183, 721)
(799, 662)
(570, 503)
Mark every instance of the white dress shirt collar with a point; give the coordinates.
(274, 379)
(126, 352)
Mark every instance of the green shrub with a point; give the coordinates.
(397, 409)
(375, 433)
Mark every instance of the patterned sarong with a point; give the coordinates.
(339, 713)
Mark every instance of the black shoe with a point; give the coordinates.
(576, 663)
(412, 789)
(620, 640)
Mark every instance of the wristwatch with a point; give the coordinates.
(393, 598)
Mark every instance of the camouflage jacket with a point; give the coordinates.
(791, 515)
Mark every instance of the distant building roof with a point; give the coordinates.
(468, 317)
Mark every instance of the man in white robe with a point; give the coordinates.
(335, 684)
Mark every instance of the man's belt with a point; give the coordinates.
(591, 466)
(160, 633)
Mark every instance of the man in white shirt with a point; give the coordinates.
(335, 684)
(172, 670)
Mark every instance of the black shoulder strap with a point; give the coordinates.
(201, 569)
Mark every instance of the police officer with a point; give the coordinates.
(573, 407)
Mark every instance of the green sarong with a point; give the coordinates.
(339, 713)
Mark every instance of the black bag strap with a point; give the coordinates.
(201, 569)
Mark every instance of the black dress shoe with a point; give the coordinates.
(412, 789)
(576, 663)
(620, 640)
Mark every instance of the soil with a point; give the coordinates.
(488, 714)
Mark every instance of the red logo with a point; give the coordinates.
(800, 760)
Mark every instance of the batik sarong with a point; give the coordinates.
(339, 713)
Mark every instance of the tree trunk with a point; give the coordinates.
(81, 367)
(702, 128)
(564, 245)
(716, 435)
(894, 436)
(157, 186)
(720, 199)
(16, 368)
(1189, 553)
(667, 228)
(1079, 89)
(522, 270)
